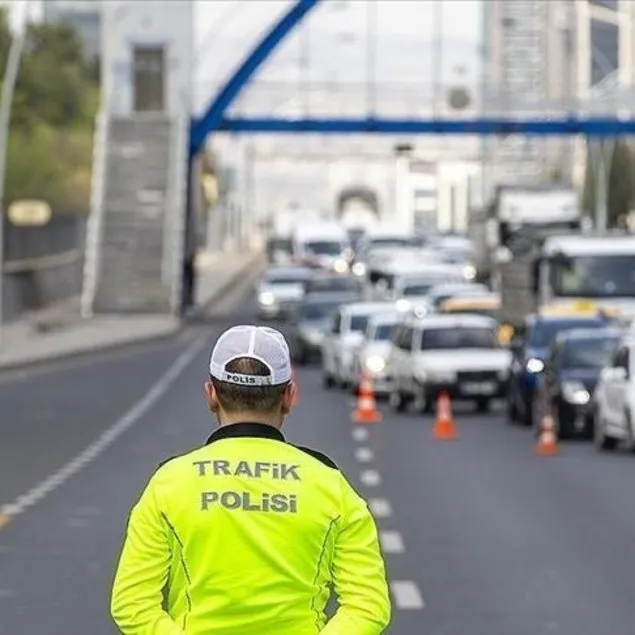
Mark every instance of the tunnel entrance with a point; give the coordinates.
(357, 200)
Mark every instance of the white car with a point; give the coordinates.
(457, 354)
(280, 290)
(342, 340)
(371, 359)
(614, 400)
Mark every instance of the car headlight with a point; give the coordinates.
(340, 266)
(359, 269)
(375, 363)
(469, 272)
(403, 305)
(575, 393)
(266, 299)
(534, 365)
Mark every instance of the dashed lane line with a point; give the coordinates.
(360, 434)
(407, 595)
(107, 438)
(370, 478)
(380, 507)
(364, 455)
(391, 542)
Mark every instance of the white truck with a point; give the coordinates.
(597, 268)
(517, 222)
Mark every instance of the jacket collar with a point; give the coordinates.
(246, 429)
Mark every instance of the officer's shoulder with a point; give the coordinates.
(176, 458)
(325, 460)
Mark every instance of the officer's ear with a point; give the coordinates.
(211, 396)
(289, 397)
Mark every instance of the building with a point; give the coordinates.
(84, 15)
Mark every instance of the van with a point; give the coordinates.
(323, 246)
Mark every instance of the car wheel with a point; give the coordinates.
(328, 381)
(483, 405)
(600, 439)
(397, 401)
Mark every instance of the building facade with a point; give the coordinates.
(84, 15)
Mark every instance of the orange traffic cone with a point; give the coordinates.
(444, 428)
(296, 395)
(547, 442)
(366, 410)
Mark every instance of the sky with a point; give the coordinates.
(344, 48)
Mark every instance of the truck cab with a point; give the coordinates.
(584, 267)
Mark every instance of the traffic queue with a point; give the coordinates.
(408, 316)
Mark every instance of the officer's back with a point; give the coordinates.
(248, 531)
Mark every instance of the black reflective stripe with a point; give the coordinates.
(188, 599)
(318, 455)
(314, 608)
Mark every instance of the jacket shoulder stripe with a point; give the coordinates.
(319, 456)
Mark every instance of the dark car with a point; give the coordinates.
(333, 283)
(310, 322)
(572, 370)
(529, 350)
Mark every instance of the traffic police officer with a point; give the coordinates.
(245, 535)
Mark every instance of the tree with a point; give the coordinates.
(53, 111)
(621, 183)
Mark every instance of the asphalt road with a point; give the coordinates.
(482, 537)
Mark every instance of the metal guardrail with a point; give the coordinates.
(42, 263)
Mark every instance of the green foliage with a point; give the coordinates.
(621, 183)
(620, 186)
(52, 119)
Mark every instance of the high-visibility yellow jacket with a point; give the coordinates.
(244, 536)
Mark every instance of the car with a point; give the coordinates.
(567, 384)
(438, 294)
(280, 289)
(371, 359)
(343, 338)
(480, 304)
(529, 348)
(457, 354)
(333, 283)
(614, 399)
(310, 322)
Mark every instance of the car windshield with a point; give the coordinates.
(421, 288)
(456, 255)
(383, 332)
(358, 323)
(286, 277)
(390, 242)
(337, 283)
(318, 310)
(458, 337)
(544, 332)
(594, 276)
(593, 353)
(280, 244)
(325, 247)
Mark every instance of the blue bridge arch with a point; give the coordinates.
(215, 119)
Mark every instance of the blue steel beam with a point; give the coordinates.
(588, 126)
(214, 113)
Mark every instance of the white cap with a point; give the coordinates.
(257, 342)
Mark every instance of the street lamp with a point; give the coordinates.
(6, 100)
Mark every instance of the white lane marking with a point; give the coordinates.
(391, 542)
(360, 434)
(109, 436)
(371, 478)
(364, 455)
(407, 595)
(380, 507)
